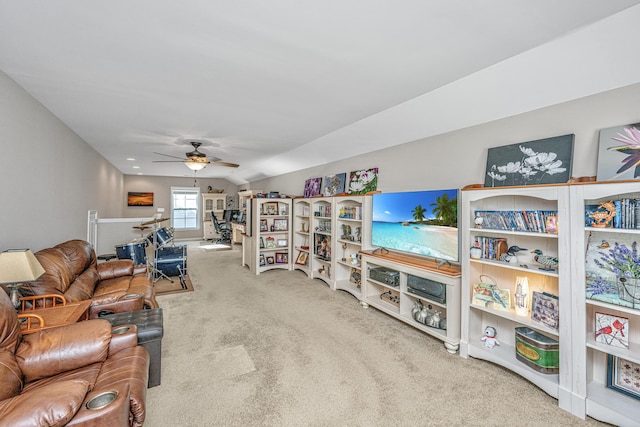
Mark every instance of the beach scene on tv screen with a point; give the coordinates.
(419, 222)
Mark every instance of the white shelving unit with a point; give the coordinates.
(212, 202)
(302, 238)
(271, 234)
(322, 240)
(403, 299)
(476, 317)
(591, 395)
(351, 232)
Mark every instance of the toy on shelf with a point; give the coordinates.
(549, 263)
(511, 255)
(489, 337)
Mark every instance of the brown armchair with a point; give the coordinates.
(68, 375)
(71, 270)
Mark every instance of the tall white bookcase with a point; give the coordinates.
(271, 234)
(591, 359)
(476, 317)
(302, 235)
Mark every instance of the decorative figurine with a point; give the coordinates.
(602, 218)
(549, 263)
(489, 337)
(478, 220)
(511, 255)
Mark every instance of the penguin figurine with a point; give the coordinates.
(549, 263)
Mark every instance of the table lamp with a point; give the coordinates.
(16, 267)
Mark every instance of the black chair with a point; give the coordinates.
(222, 229)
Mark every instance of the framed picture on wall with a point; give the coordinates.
(139, 199)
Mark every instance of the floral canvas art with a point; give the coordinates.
(312, 187)
(334, 184)
(364, 181)
(619, 153)
(544, 161)
(613, 270)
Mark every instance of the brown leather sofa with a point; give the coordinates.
(54, 376)
(71, 270)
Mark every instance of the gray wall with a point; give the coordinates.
(49, 177)
(458, 158)
(160, 186)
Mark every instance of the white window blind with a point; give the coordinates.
(185, 208)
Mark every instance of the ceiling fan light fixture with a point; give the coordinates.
(195, 165)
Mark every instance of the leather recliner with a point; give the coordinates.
(71, 270)
(54, 376)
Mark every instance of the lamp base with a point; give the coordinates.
(15, 295)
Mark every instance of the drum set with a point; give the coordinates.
(157, 251)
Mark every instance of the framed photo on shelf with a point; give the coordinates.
(270, 260)
(263, 225)
(270, 208)
(612, 330)
(302, 258)
(283, 210)
(623, 376)
(280, 225)
(281, 243)
(616, 153)
(544, 309)
(262, 261)
(282, 258)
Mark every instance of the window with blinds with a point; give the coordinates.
(184, 208)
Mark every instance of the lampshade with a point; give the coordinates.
(19, 265)
(195, 165)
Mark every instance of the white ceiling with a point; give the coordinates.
(278, 85)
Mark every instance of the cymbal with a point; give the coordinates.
(155, 221)
(140, 227)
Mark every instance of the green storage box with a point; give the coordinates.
(537, 351)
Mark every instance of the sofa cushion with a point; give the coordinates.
(52, 405)
(9, 324)
(10, 375)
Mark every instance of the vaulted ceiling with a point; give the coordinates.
(282, 85)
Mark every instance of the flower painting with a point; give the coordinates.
(364, 181)
(334, 184)
(613, 269)
(312, 187)
(619, 153)
(545, 161)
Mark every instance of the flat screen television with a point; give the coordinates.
(417, 222)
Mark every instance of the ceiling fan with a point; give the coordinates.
(196, 160)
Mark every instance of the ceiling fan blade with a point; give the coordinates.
(168, 155)
(168, 161)
(227, 164)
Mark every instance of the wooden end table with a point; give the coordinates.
(57, 316)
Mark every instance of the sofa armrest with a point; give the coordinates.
(115, 413)
(53, 404)
(116, 304)
(51, 351)
(123, 336)
(116, 268)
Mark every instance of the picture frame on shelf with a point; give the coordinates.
(263, 225)
(270, 260)
(363, 181)
(281, 243)
(611, 330)
(334, 184)
(312, 187)
(615, 153)
(282, 257)
(270, 208)
(544, 309)
(489, 296)
(302, 258)
(623, 376)
(543, 161)
(283, 210)
(280, 225)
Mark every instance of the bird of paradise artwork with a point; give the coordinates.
(612, 330)
(619, 153)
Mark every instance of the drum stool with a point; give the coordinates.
(149, 323)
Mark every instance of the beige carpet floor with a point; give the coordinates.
(281, 349)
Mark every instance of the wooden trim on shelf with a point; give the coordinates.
(431, 264)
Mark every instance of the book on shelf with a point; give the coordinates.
(535, 221)
(350, 212)
(492, 247)
(626, 216)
